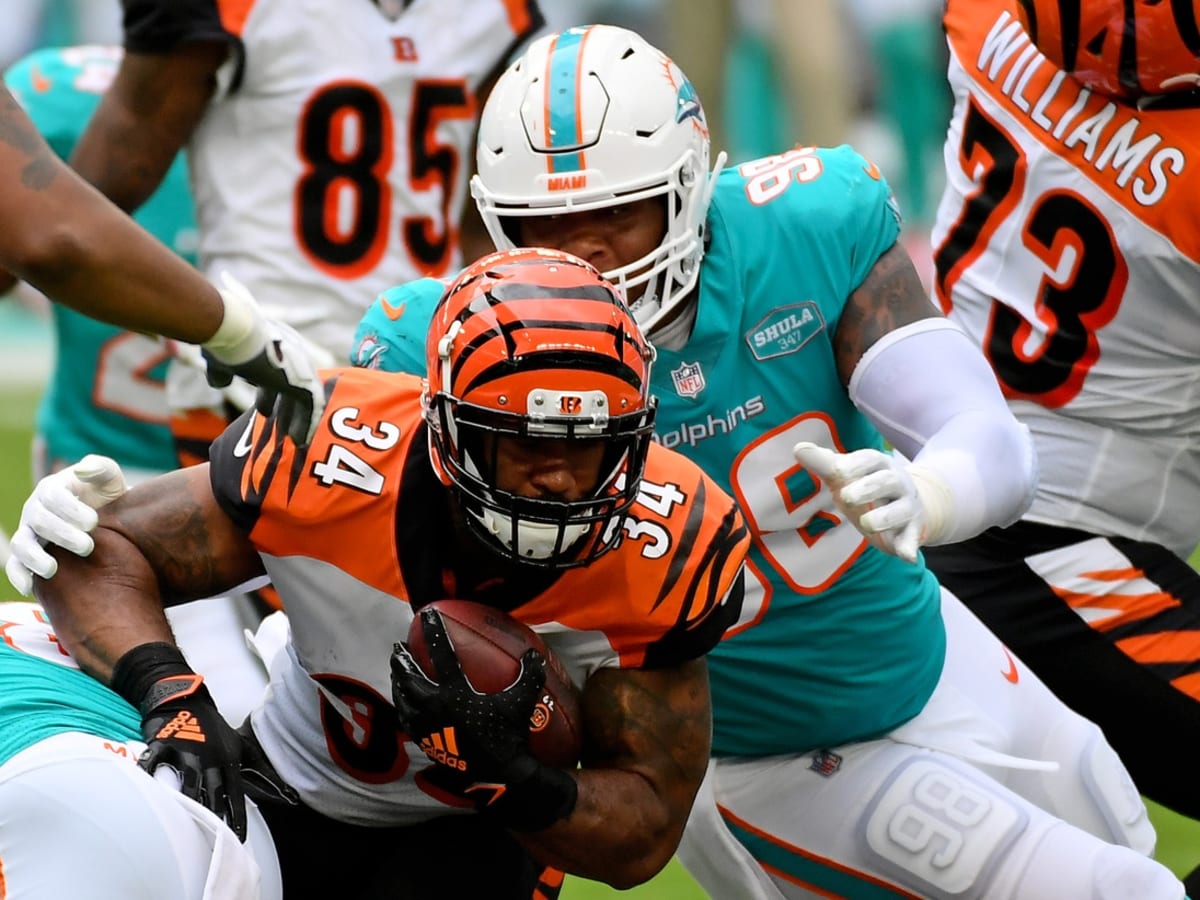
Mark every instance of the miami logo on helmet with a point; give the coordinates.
(687, 101)
(369, 351)
(688, 104)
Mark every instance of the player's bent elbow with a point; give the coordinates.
(637, 866)
(1015, 456)
(46, 256)
(637, 873)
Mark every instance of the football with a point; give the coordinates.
(489, 644)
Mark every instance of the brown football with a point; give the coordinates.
(489, 644)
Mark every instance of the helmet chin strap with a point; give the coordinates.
(537, 539)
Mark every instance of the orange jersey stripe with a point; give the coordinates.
(1116, 575)
(519, 18)
(1188, 684)
(1164, 647)
(234, 14)
(197, 425)
(1130, 608)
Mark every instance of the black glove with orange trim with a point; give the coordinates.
(184, 730)
(480, 742)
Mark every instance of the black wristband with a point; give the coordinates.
(536, 803)
(139, 670)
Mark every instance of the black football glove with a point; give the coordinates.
(481, 741)
(184, 730)
(272, 356)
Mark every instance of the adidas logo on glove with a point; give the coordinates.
(442, 748)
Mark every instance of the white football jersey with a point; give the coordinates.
(332, 163)
(1068, 245)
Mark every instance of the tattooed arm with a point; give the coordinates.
(646, 745)
(166, 541)
(145, 118)
(967, 463)
(63, 237)
(891, 296)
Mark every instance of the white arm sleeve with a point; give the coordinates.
(931, 393)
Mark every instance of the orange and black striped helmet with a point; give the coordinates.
(535, 344)
(1124, 48)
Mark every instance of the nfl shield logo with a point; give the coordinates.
(689, 380)
(826, 762)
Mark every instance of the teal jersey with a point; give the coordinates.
(838, 641)
(106, 394)
(40, 698)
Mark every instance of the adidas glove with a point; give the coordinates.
(270, 355)
(480, 741)
(184, 730)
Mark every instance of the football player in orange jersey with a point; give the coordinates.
(1068, 247)
(520, 474)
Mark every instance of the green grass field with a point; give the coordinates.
(1178, 838)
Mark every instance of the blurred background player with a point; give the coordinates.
(822, 73)
(33, 24)
(70, 785)
(784, 315)
(65, 239)
(1067, 247)
(328, 146)
(106, 393)
(775, 54)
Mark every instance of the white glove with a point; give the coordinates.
(62, 511)
(239, 393)
(270, 355)
(888, 499)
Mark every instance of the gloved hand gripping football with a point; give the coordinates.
(481, 741)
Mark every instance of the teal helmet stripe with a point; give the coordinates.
(562, 101)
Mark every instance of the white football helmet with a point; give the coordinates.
(594, 117)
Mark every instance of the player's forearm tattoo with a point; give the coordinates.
(891, 296)
(179, 551)
(639, 719)
(16, 131)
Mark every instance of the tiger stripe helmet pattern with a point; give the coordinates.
(533, 343)
(1123, 48)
